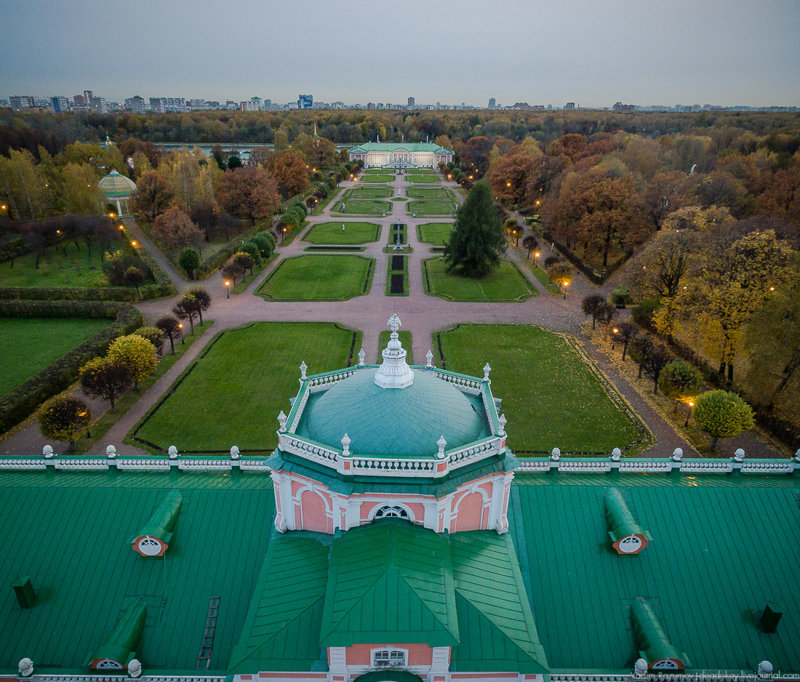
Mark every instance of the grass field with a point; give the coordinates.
(429, 193)
(430, 209)
(405, 339)
(362, 207)
(377, 177)
(353, 233)
(434, 233)
(420, 177)
(368, 193)
(504, 284)
(75, 269)
(552, 395)
(28, 345)
(319, 278)
(233, 393)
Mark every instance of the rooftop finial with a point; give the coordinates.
(394, 372)
(486, 370)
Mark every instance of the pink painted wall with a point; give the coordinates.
(470, 513)
(418, 654)
(313, 513)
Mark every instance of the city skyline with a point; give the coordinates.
(720, 53)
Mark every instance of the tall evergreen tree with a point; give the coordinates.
(477, 240)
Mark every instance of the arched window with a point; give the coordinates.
(388, 511)
(389, 658)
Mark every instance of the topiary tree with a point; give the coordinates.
(63, 417)
(189, 260)
(620, 297)
(530, 243)
(561, 274)
(154, 335)
(477, 240)
(251, 248)
(243, 260)
(265, 242)
(169, 325)
(591, 306)
(679, 381)
(202, 299)
(186, 309)
(105, 378)
(134, 277)
(722, 414)
(136, 352)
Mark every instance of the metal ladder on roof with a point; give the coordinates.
(204, 657)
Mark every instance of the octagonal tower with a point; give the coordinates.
(392, 440)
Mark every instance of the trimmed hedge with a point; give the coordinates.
(57, 376)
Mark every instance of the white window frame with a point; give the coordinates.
(388, 657)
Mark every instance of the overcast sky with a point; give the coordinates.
(593, 52)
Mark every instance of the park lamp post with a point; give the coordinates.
(536, 257)
(180, 326)
(566, 284)
(227, 289)
(613, 337)
(688, 412)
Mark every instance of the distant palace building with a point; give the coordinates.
(401, 154)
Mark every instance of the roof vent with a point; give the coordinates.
(657, 650)
(627, 536)
(154, 538)
(770, 617)
(394, 372)
(117, 651)
(26, 596)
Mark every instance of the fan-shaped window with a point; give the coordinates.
(388, 511)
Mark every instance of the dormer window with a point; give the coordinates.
(389, 511)
(389, 658)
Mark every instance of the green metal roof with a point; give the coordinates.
(70, 532)
(399, 146)
(498, 632)
(724, 546)
(282, 628)
(390, 581)
(393, 421)
(116, 185)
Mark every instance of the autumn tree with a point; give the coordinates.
(136, 352)
(289, 171)
(80, 190)
(722, 415)
(781, 196)
(154, 335)
(510, 174)
(201, 297)
(477, 241)
(134, 277)
(175, 229)
(679, 381)
(170, 326)
(315, 150)
(152, 197)
(248, 192)
(474, 154)
(530, 243)
(560, 272)
(105, 378)
(626, 332)
(23, 186)
(63, 417)
(232, 271)
(186, 309)
(591, 306)
(654, 362)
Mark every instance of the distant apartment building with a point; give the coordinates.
(248, 105)
(619, 106)
(305, 101)
(160, 105)
(411, 102)
(79, 101)
(136, 104)
(20, 102)
(492, 103)
(59, 105)
(570, 106)
(98, 105)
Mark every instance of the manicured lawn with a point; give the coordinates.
(368, 193)
(362, 207)
(319, 278)
(429, 193)
(425, 208)
(233, 393)
(353, 233)
(504, 284)
(419, 177)
(28, 345)
(405, 339)
(434, 233)
(375, 177)
(75, 269)
(552, 395)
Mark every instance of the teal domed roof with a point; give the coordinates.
(402, 422)
(116, 185)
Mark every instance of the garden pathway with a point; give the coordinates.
(421, 314)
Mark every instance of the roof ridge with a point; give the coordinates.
(444, 623)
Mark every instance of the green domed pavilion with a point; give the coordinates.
(117, 189)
